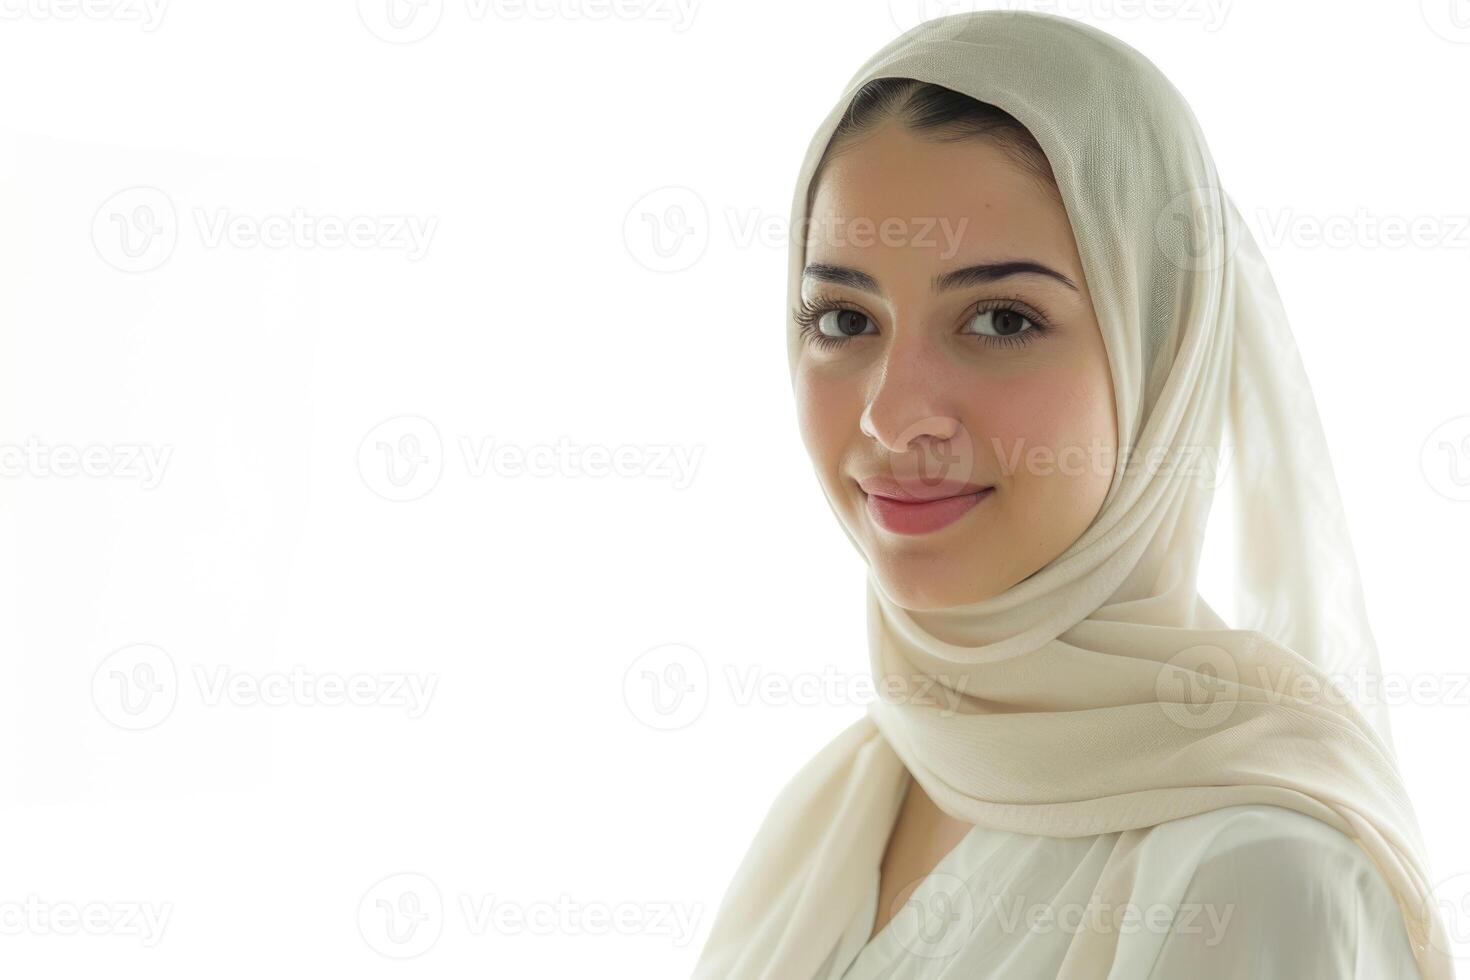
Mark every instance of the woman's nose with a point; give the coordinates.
(909, 398)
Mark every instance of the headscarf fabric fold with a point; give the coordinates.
(1102, 693)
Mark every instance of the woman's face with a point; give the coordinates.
(923, 381)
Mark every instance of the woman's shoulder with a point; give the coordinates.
(1276, 841)
(1274, 888)
(1252, 849)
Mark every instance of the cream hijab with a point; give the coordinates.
(1102, 694)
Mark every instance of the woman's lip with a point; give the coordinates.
(902, 517)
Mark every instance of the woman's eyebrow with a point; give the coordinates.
(970, 275)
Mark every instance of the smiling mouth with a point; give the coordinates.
(922, 517)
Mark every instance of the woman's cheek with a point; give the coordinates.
(828, 413)
(1010, 419)
(1041, 426)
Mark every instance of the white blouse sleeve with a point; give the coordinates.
(1278, 895)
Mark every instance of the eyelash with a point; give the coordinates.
(811, 311)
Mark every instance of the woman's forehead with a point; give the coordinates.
(910, 203)
(933, 245)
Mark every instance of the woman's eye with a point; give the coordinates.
(843, 323)
(1002, 323)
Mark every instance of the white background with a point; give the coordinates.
(548, 300)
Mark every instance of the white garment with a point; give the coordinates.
(1253, 891)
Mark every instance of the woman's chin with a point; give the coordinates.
(928, 581)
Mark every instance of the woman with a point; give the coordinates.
(1029, 336)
